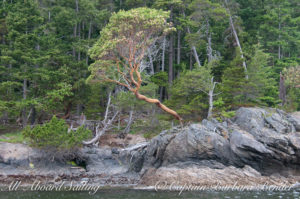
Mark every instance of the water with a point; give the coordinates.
(139, 194)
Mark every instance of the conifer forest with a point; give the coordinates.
(142, 66)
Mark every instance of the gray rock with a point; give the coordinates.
(270, 127)
(103, 161)
(261, 141)
(196, 143)
(295, 120)
(242, 143)
(250, 119)
(156, 150)
(264, 139)
(294, 139)
(215, 126)
(14, 154)
(278, 121)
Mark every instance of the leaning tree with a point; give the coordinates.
(123, 45)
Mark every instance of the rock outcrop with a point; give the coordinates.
(254, 146)
(265, 140)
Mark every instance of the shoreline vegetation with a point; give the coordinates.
(161, 94)
(215, 154)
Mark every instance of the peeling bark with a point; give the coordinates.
(158, 104)
(130, 56)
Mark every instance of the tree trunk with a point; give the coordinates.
(151, 62)
(194, 48)
(194, 51)
(89, 37)
(158, 104)
(101, 132)
(163, 55)
(90, 31)
(24, 89)
(279, 36)
(211, 99)
(33, 117)
(74, 35)
(77, 6)
(3, 39)
(75, 27)
(49, 15)
(82, 28)
(237, 41)
(67, 111)
(37, 47)
(161, 93)
(178, 47)
(171, 51)
(107, 107)
(209, 48)
(282, 90)
(24, 116)
(4, 118)
(129, 123)
(79, 37)
(87, 59)
(79, 29)
(210, 94)
(191, 60)
(78, 109)
(106, 123)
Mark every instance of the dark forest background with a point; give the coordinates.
(241, 52)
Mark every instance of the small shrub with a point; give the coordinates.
(55, 135)
(228, 114)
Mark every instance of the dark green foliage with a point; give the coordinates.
(54, 135)
(260, 88)
(235, 86)
(160, 79)
(44, 58)
(189, 92)
(292, 83)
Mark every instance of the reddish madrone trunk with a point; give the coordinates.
(158, 104)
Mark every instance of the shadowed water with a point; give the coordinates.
(138, 194)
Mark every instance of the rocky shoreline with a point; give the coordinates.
(256, 147)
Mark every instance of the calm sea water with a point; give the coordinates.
(139, 194)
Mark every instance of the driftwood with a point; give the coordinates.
(136, 146)
(132, 150)
(127, 129)
(106, 123)
(101, 132)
